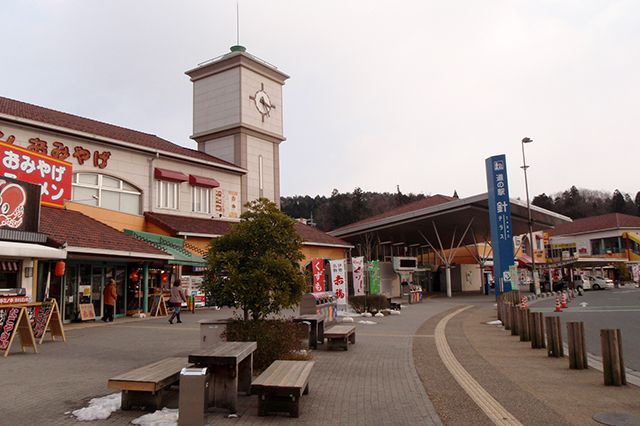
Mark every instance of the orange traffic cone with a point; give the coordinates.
(564, 300)
(558, 309)
(523, 303)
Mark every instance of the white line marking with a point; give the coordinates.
(492, 408)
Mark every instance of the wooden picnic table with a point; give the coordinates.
(316, 332)
(231, 368)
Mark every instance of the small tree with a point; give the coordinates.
(255, 266)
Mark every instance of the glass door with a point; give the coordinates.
(97, 286)
(70, 306)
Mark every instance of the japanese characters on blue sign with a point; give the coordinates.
(500, 220)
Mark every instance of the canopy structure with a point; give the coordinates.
(170, 245)
(443, 225)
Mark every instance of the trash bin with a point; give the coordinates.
(194, 390)
(210, 331)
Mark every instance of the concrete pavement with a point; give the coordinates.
(395, 373)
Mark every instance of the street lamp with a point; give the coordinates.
(536, 284)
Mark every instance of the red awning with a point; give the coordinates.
(171, 175)
(524, 260)
(203, 181)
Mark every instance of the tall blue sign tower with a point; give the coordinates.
(500, 220)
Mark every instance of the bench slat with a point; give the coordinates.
(284, 375)
(151, 377)
(340, 331)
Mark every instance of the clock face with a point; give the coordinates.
(262, 102)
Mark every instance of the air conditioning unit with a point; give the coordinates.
(405, 263)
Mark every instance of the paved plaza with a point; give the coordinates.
(393, 375)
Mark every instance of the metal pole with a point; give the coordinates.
(536, 284)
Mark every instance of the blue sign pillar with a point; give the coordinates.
(500, 220)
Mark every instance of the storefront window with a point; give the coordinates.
(106, 192)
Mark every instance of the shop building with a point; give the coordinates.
(148, 207)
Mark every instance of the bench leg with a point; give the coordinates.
(225, 388)
(306, 390)
(245, 374)
(278, 404)
(262, 405)
(352, 339)
(148, 400)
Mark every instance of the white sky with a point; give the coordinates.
(382, 93)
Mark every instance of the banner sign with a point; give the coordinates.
(500, 221)
(357, 264)
(374, 277)
(317, 269)
(234, 204)
(52, 174)
(338, 278)
(19, 205)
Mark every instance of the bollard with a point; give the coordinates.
(507, 316)
(515, 315)
(612, 359)
(577, 346)
(536, 330)
(554, 337)
(525, 336)
(499, 303)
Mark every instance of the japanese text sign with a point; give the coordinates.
(339, 280)
(374, 277)
(52, 174)
(317, 268)
(358, 275)
(500, 220)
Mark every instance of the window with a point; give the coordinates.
(167, 194)
(105, 191)
(201, 199)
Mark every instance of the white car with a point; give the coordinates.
(596, 283)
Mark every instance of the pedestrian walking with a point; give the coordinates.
(176, 300)
(110, 296)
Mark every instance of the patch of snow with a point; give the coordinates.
(347, 319)
(99, 408)
(232, 416)
(367, 314)
(164, 417)
(379, 315)
(395, 312)
(496, 322)
(367, 322)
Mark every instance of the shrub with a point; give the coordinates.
(277, 339)
(375, 303)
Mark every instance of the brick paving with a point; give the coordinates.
(375, 381)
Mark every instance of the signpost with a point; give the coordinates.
(500, 221)
(14, 321)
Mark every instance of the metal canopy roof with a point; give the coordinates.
(450, 219)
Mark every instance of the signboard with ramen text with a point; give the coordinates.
(52, 174)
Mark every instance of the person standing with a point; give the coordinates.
(110, 296)
(176, 300)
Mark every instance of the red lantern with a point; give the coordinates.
(164, 277)
(59, 270)
(134, 276)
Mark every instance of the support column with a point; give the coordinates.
(145, 280)
(448, 279)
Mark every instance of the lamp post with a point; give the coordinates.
(536, 284)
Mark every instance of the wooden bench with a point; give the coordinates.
(280, 387)
(339, 336)
(146, 386)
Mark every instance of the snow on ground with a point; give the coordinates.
(367, 322)
(496, 322)
(99, 408)
(164, 417)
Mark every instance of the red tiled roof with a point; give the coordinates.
(431, 201)
(79, 230)
(196, 225)
(176, 224)
(86, 125)
(597, 223)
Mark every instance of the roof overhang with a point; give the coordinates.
(30, 251)
(117, 253)
(450, 219)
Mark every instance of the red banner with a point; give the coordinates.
(52, 174)
(317, 267)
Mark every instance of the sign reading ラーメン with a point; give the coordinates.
(53, 175)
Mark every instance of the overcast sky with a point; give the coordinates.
(382, 93)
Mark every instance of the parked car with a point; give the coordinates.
(599, 283)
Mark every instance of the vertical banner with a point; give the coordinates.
(374, 277)
(500, 220)
(357, 264)
(317, 268)
(218, 202)
(338, 278)
(234, 204)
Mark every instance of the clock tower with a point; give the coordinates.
(237, 117)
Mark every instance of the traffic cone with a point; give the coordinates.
(564, 300)
(558, 309)
(523, 303)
